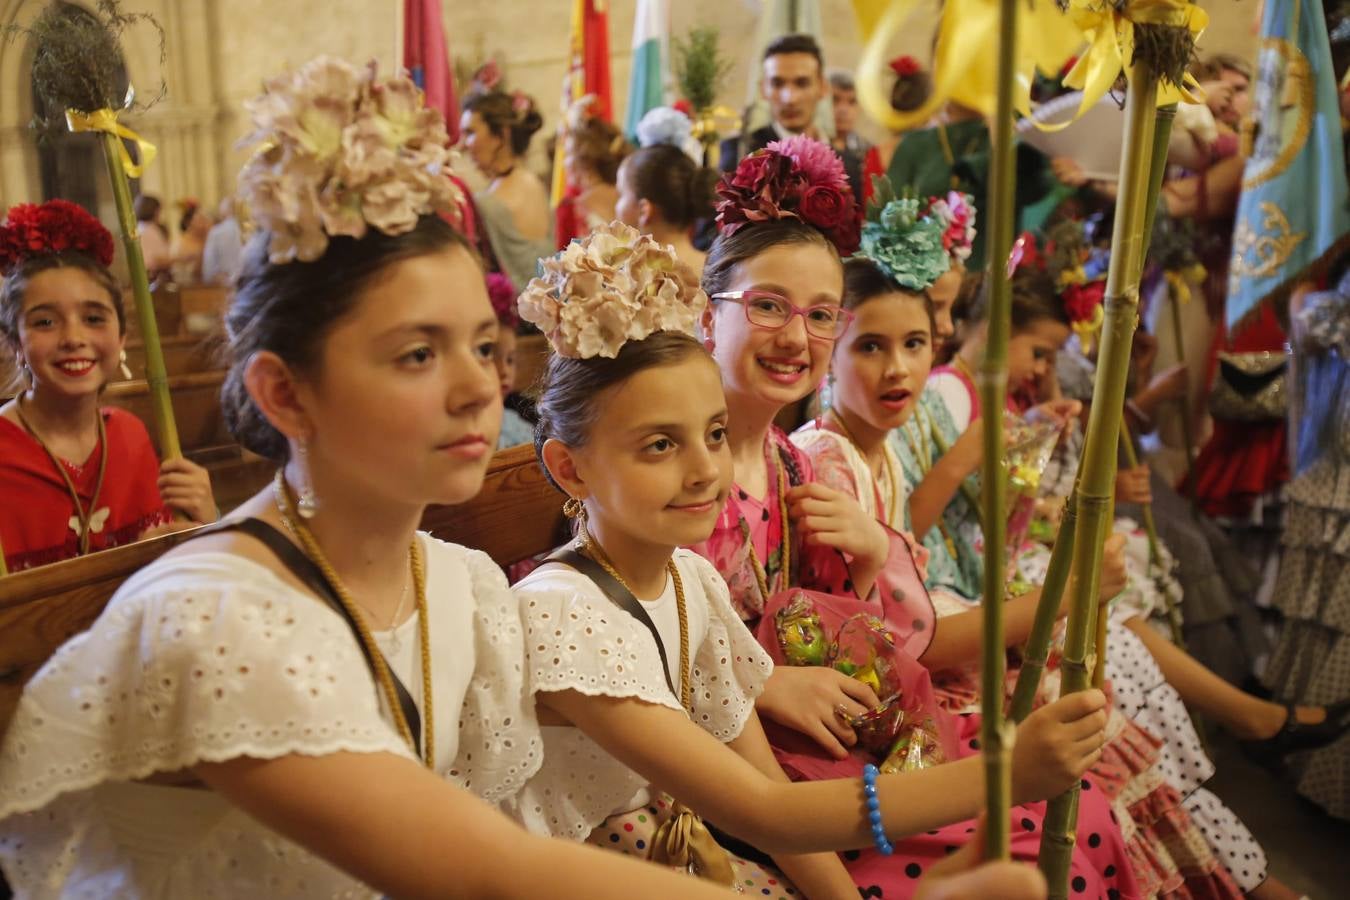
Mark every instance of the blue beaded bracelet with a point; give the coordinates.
(874, 810)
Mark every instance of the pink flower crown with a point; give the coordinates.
(614, 286)
(57, 226)
(799, 178)
(338, 151)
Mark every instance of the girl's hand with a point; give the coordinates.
(1114, 577)
(1132, 485)
(831, 518)
(1060, 411)
(969, 447)
(814, 701)
(1056, 744)
(186, 487)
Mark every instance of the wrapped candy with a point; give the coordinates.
(800, 634)
(1030, 446)
(863, 648)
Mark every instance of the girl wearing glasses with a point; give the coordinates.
(776, 284)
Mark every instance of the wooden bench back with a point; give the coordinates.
(517, 515)
(196, 407)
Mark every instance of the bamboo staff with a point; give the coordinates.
(1097, 471)
(1036, 651)
(156, 374)
(996, 736)
(1162, 134)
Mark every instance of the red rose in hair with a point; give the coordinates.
(825, 207)
(57, 226)
(905, 66)
(1081, 300)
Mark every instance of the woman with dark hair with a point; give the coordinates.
(663, 192)
(513, 208)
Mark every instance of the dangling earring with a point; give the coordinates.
(575, 510)
(122, 364)
(824, 394)
(307, 504)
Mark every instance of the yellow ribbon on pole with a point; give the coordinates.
(1110, 34)
(1180, 281)
(106, 120)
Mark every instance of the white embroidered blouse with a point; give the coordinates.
(577, 639)
(210, 657)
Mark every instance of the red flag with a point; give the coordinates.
(427, 59)
(595, 56)
(587, 72)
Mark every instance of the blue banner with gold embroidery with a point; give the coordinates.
(1293, 211)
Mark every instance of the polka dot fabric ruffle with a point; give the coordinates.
(631, 834)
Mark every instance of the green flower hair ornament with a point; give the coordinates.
(904, 245)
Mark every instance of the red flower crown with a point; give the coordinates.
(799, 178)
(57, 226)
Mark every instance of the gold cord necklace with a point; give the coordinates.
(597, 553)
(82, 514)
(785, 570)
(285, 501)
(890, 510)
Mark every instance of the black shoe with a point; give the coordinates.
(1298, 737)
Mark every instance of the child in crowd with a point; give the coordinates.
(75, 477)
(662, 191)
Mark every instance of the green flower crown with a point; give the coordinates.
(900, 241)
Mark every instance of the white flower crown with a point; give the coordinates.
(613, 286)
(337, 151)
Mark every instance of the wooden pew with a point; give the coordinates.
(196, 406)
(517, 515)
(183, 354)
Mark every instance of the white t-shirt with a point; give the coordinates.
(210, 657)
(578, 639)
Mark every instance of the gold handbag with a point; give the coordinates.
(1250, 387)
(684, 841)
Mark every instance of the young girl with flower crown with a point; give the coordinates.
(629, 638)
(877, 372)
(1205, 845)
(74, 477)
(781, 529)
(314, 699)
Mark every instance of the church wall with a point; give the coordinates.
(219, 52)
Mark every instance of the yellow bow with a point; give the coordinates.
(106, 120)
(966, 57)
(1110, 34)
(1179, 282)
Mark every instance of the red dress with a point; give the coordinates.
(40, 521)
